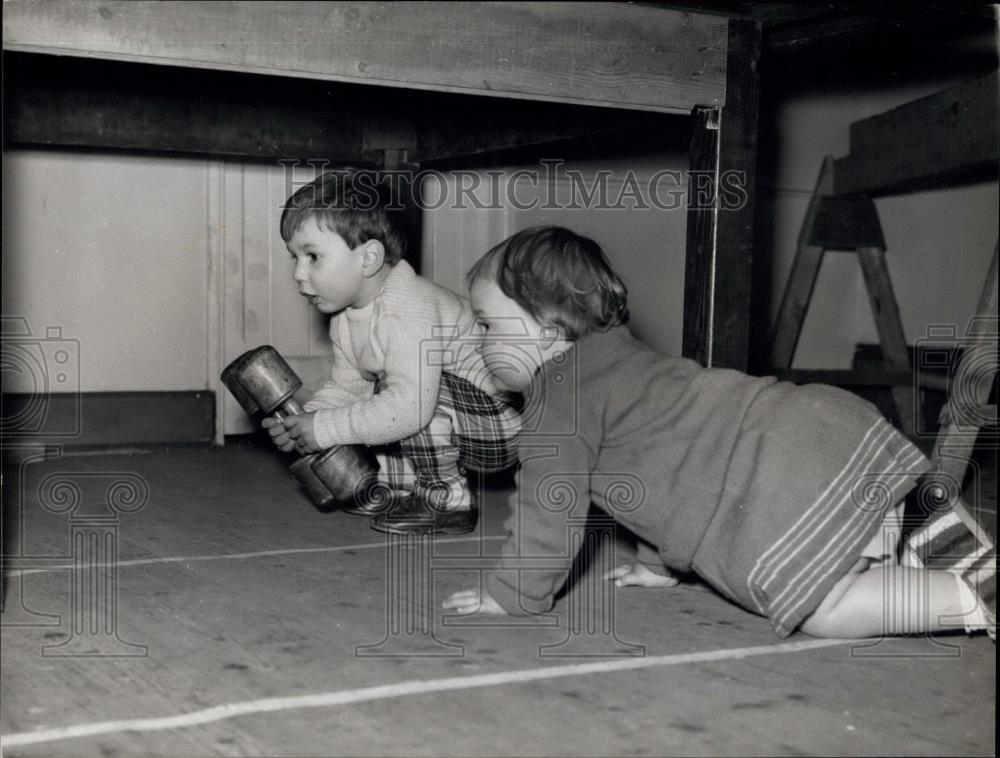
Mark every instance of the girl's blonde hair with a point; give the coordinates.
(561, 278)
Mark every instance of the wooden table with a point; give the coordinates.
(363, 82)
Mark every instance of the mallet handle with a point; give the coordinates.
(288, 408)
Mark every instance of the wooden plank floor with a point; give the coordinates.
(238, 599)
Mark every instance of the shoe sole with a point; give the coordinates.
(393, 529)
(364, 511)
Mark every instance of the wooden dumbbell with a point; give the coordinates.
(264, 385)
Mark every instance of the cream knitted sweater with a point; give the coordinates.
(411, 332)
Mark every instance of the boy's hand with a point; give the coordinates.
(301, 430)
(637, 575)
(279, 435)
(473, 601)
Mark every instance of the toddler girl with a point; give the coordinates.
(786, 499)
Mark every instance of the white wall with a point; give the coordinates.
(164, 269)
(466, 214)
(939, 243)
(161, 269)
(112, 250)
(116, 251)
(645, 243)
(252, 277)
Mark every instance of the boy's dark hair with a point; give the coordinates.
(354, 204)
(561, 278)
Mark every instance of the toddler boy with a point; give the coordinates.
(407, 376)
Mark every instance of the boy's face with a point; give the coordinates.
(514, 343)
(327, 271)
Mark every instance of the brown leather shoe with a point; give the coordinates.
(414, 516)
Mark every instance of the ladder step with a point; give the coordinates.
(845, 222)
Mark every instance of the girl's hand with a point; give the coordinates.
(279, 435)
(637, 575)
(301, 430)
(473, 601)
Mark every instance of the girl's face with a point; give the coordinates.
(515, 345)
(327, 271)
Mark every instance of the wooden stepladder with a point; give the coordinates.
(845, 223)
(932, 140)
(849, 223)
(968, 409)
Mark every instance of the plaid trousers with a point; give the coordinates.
(470, 429)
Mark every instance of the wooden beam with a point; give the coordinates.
(833, 26)
(723, 158)
(67, 102)
(946, 137)
(737, 177)
(57, 101)
(699, 271)
(601, 53)
(487, 128)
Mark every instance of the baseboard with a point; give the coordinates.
(109, 418)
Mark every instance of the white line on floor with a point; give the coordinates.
(400, 689)
(101, 451)
(239, 556)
